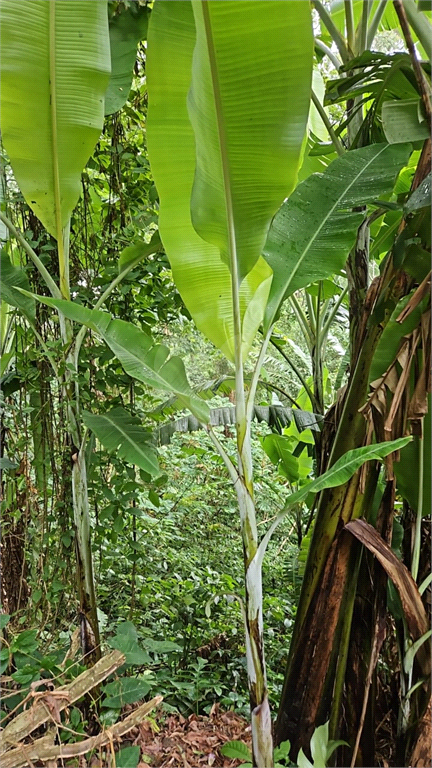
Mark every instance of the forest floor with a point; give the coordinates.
(190, 742)
(172, 741)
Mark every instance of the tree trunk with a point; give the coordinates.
(90, 640)
(13, 565)
(14, 589)
(326, 572)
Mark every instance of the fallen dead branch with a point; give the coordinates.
(26, 754)
(48, 705)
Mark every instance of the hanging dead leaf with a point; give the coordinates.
(404, 358)
(415, 299)
(391, 400)
(412, 604)
(418, 406)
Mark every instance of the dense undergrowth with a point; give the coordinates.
(177, 579)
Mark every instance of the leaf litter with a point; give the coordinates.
(191, 741)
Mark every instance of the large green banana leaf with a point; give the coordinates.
(341, 471)
(55, 65)
(248, 103)
(120, 431)
(314, 230)
(137, 352)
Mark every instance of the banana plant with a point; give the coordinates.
(195, 157)
(224, 150)
(234, 137)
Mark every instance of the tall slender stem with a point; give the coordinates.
(349, 20)
(296, 371)
(255, 376)
(361, 35)
(80, 501)
(317, 363)
(49, 282)
(222, 453)
(324, 117)
(346, 614)
(318, 312)
(6, 325)
(302, 321)
(323, 313)
(374, 24)
(333, 30)
(260, 710)
(311, 314)
(420, 24)
(79, 474)
(325, 49)
(333, 312)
